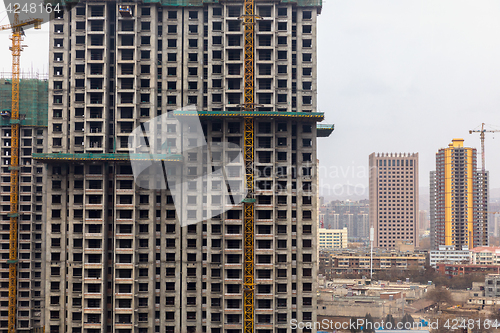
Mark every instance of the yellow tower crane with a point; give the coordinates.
(249, 201)
(16, 48)
(482, 132)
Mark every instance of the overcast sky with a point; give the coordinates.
(393, 76)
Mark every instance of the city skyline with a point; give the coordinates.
(165, 175)
(392, 84)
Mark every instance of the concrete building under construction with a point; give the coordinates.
(32, 211)
(118, 260)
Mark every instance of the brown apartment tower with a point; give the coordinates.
(394, 198)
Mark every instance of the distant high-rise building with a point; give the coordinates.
(456, 193)
(496, 224)
(494, 219)
(352, 215)
(423, 220)
(394, 198)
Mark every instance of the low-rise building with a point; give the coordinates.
(492, 285)
(485, 255)
(485, 293)
(448, 254)
(451, 270)
(332, 238)
(356, 297)
(358, 261)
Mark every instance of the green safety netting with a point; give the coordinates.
(33, 101)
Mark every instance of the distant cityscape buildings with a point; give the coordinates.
(423, 220)
(394, 198)
(494, 217)
(352, 215)
(458, 199)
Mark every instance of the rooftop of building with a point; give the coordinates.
(494, 249)
(493, 276)
(366, 252)
(399, 155)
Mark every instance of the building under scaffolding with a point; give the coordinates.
(33, 106)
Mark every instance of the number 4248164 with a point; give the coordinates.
(32, 8)
(455, 324)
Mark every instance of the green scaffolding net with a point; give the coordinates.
(33, 101)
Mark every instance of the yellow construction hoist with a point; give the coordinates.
(249, 201)
(16, 48)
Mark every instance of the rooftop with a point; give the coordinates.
(494, 249)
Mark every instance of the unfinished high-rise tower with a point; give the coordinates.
(118, 260)
(31, 216)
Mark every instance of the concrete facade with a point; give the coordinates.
(394, 198)
(128, 266)
(32, 211)
(492, 285)
(32, 217)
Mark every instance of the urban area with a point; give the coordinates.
(163, 177)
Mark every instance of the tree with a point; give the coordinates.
(407, 318)
(389, 319)
(368, 324)
(353, 325)
(495, 313)
(440, 295)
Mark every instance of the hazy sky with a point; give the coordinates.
(393, 76)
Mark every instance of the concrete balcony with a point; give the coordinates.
(124, 311)
(92, 325)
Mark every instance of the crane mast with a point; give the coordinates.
(249, 201)
(14, 173)
(16, 49)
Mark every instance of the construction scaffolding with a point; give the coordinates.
(33, 102)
